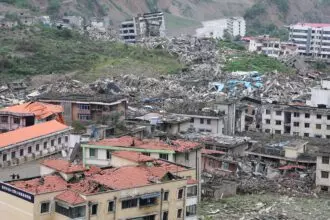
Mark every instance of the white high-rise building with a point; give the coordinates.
(236, 26)
(312, 39)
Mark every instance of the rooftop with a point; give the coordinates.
(70, 197)
(132, 156)
(182, 145)
(31, 132)
(82, 98)
(315, 25)
(218, 139)
(38, 109)
(207, 151)
(63, 166)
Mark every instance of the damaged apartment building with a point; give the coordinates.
(89, 108)
(145, 25)
(309, 120)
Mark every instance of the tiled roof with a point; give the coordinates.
(169, 167)
(132, 156)
(129, 177)
(70, 197)
(182, 145)
(315, 25)
(34, 131)
(155, 145)
(44, 184)
(39, 109)
(207, 151)
(63, 166)
(192, 181)
(125, 141)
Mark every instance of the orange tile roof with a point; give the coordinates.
(70, 197)
(125, 141)
(129, 177)
(44, 184)
(155, 145)
(182, 145)
(63, 166)
(39, 109)
(169, 167)
(27, 133)
(133, 156)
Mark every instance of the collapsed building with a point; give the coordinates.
(141, 26)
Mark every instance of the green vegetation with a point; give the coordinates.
(53, 7)
(255, 62)
(256, 28)
(152, 5)
(230, 44)
(255, 11)
(45, 51)
(175, 22)
(282, 5)
(321, 66)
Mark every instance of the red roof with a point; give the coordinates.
(192, 181)
(169, 167)
(289, 167)
(40, 185)
(207, 151)
(34, 131)
(182, 145)
(70, 197)
(155, 145)
(63, 166)
(125, 141)
(315, 25)
(133, 156)
(39, 109)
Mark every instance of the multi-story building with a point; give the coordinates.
(33, 142)
(322, 180)
(313, 40)
(87, 108)
(236, 26)
(145, 25)
(66, 191)
(28, 114)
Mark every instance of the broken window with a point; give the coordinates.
(180, 194)
(318, 126)
(325, 159)
(16, 120)
(267, 121)
(278, 122)
(296, 114)
(324, 174)
(306, 134)
(278, 113)
(306, 125)
(201, 121)
(307, 115)
(296, 124)
(267, 112)
(191, 210)
(4, 119)
(318, 116)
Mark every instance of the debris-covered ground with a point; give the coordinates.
(266, 207)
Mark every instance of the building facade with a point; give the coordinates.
(145, 25)
(313, 40)
(130, 193)
(33, 142)
(89, 108)
(236, 26)
(322, 180)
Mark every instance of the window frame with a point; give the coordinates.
(325, 159)
(91, 209)
(45, 202)
(324, 172)
(166, 195)
(180, 193)
(113, 206)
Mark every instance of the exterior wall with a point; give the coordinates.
(236, 26)
(320, 96)
(120, 162)
(74, 113)
(321, 167)
(34, 154)
(45, 170)
(12, 207)
(216, 126)
(213, 28)
(211, 164)
(10, 125)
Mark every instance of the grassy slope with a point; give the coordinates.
(45, 51)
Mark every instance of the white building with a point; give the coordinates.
(321, 95)
(236, 26)
(146, 25)
(322, 180)
(312, 39)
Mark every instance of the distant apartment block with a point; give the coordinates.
(29, 143)
(312, 39)
(145, 25)
(87, 108)
(28, 114)
(236, 26)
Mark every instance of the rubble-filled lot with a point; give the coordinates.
(266, 207)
